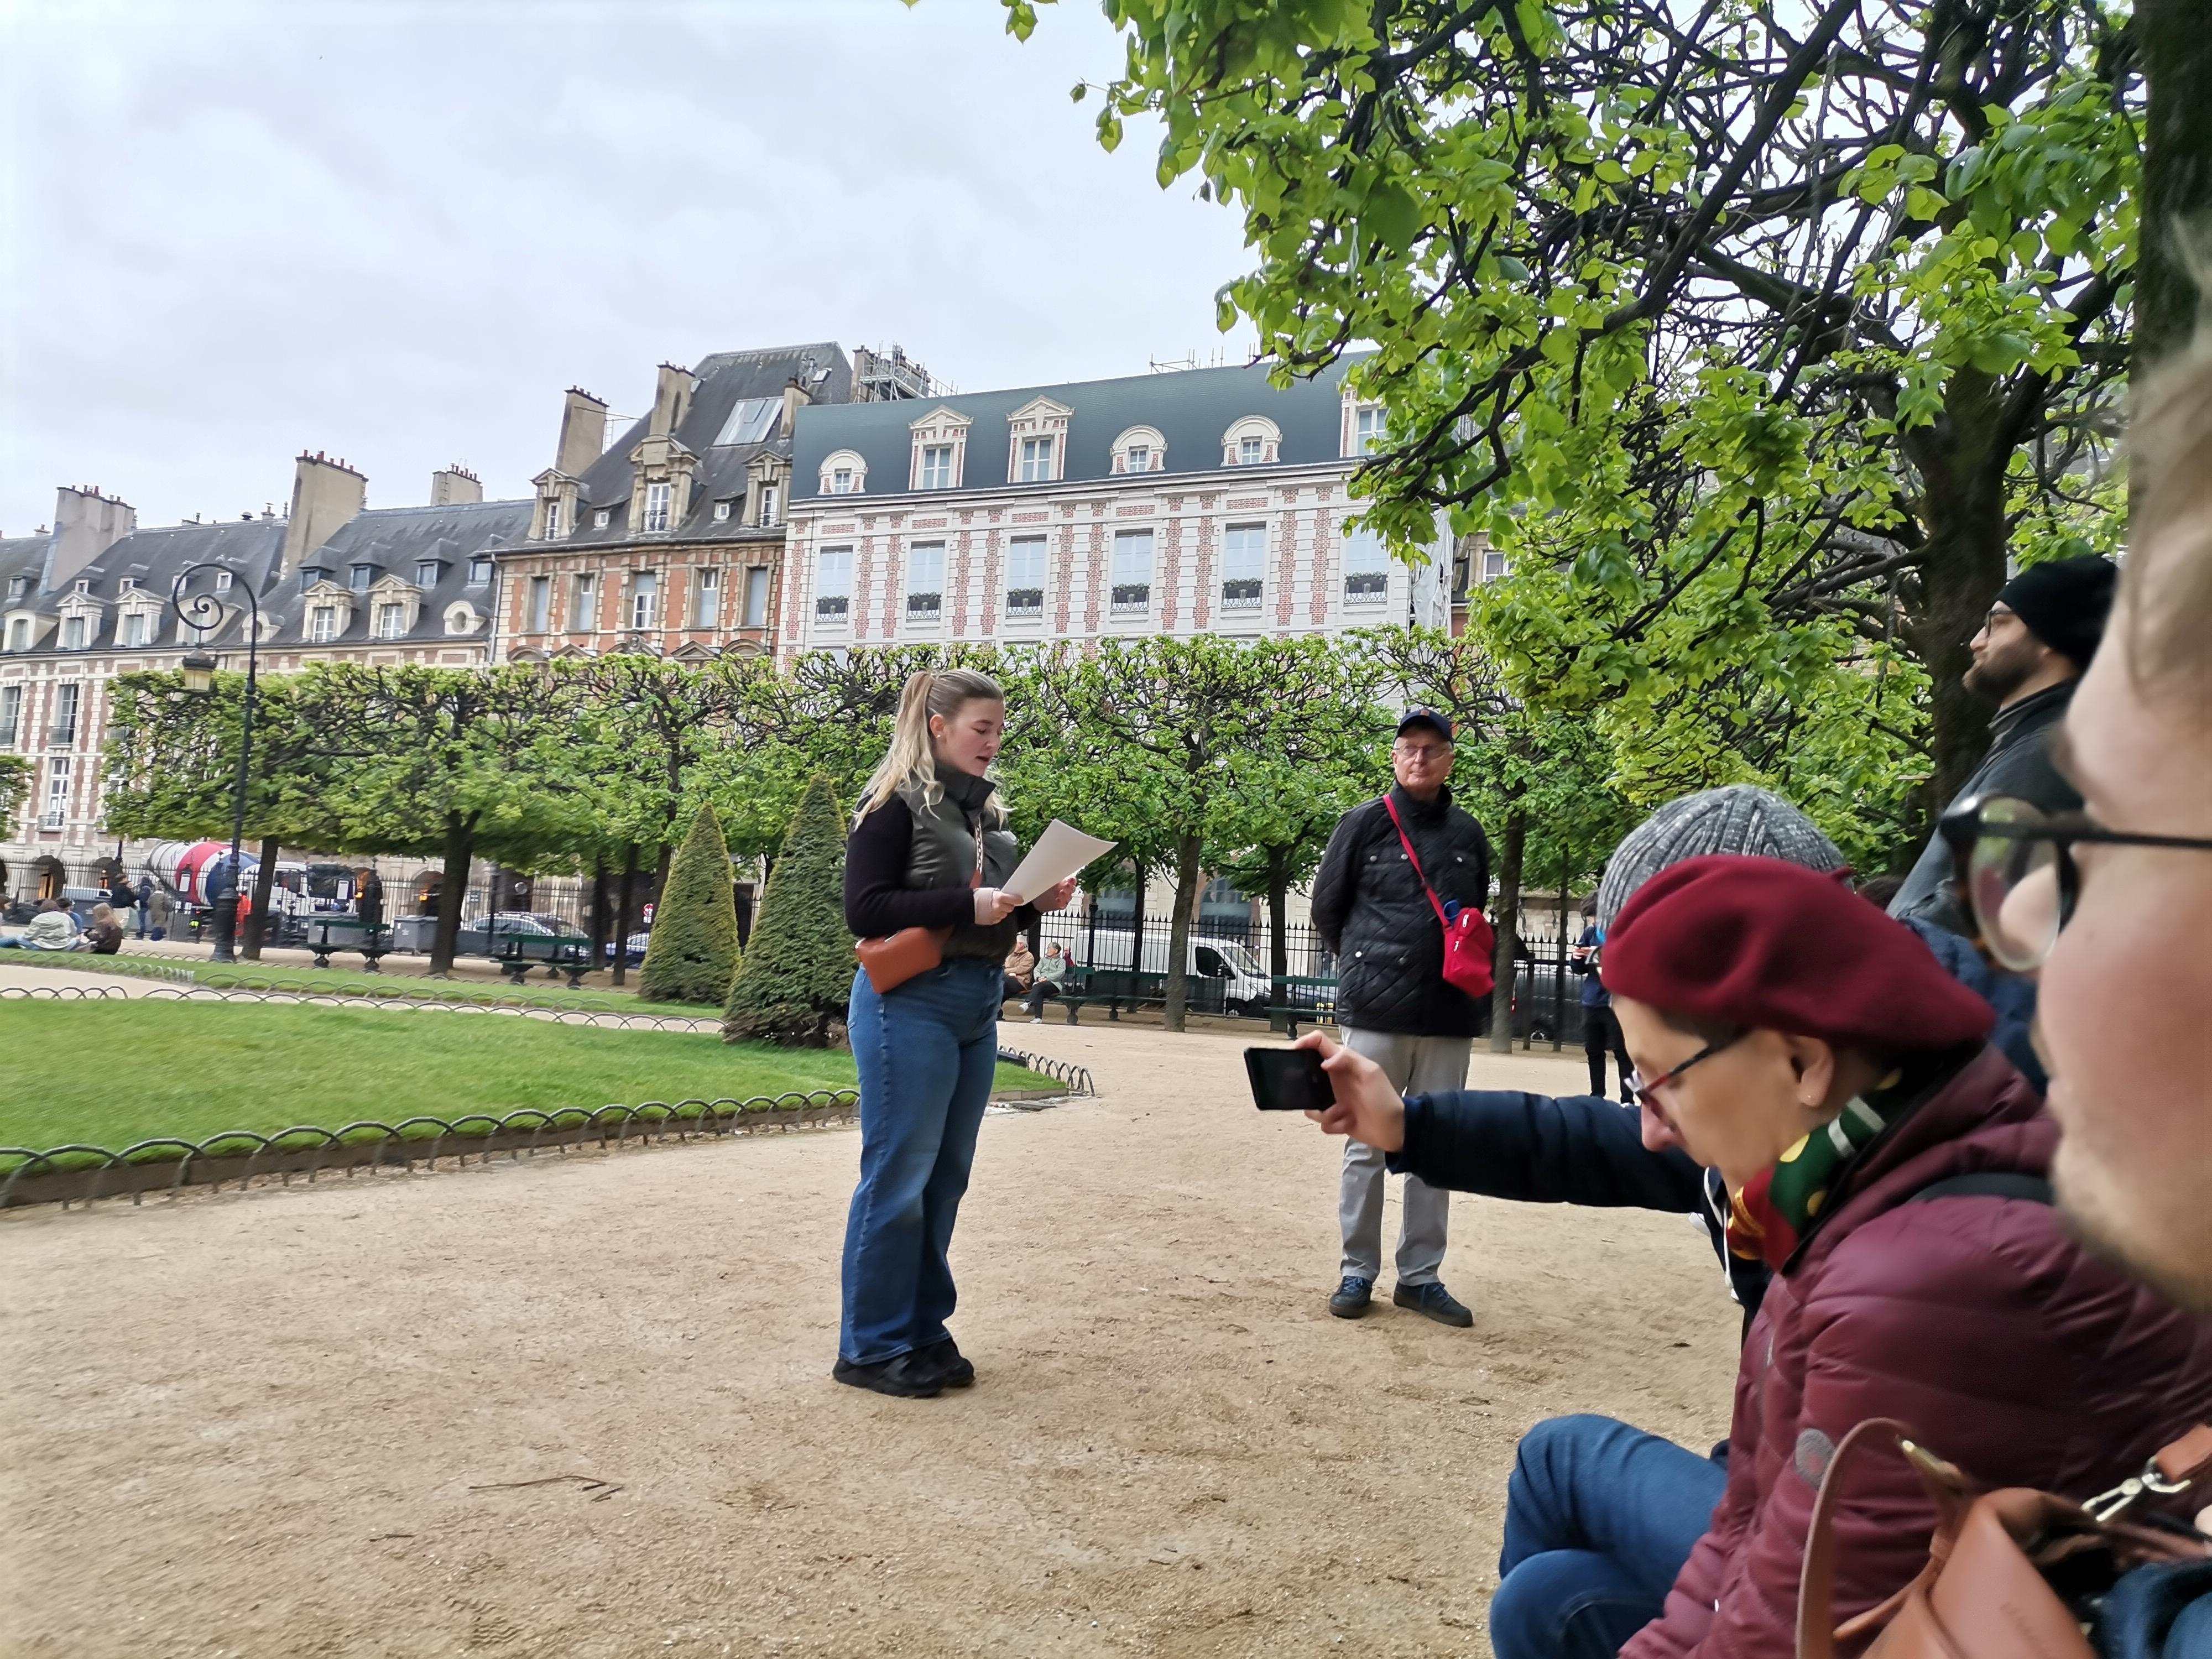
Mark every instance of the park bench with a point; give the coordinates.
(328, 934)
(1116, 988)
(560, 953)
(1290, 1009)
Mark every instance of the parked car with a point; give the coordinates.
(635, 952)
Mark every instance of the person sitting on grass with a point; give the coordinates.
(51, 929)
(1813, 1052)
(104, 937)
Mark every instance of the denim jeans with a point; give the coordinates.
(926, 1051)
(1599, 1519)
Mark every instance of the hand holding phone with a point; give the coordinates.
(1356, 1096)
(1288, 1080)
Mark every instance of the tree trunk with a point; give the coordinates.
(2175, 49)
(601, 917)
(1963, 477)
(452, 892)
(265, 888)
(1185, 898)
(1559, 978)
(1509, 924)
(1279, 918)
(622, 913)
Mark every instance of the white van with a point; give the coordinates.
(1223, 977)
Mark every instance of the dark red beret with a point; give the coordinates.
(1770, 946)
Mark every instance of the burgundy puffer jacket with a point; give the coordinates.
(2006, 1346)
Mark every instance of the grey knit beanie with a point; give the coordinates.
(1755, 823)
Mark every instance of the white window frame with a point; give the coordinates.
(69, 709)
(1368, 422)
(322, 623)
(553, 520)
(600, 518)
(754, 614)
(843, 473)
(1367, 562)
(538, 609)
(1131, 596)
(1252, 452)
(11, 712)
(1242, 432)
(131, 630)
(391, 619)
(583, 604)
(721, 512)
(768, 504)
(1244, 542)
(1495, 566)
(223, 581)
(1037, 457)
(660, 506)
(924, 559)
(60, 768)
(1031, 609)
(937, 468)
(19, 633)
(74, 632)
(707, 599)
(833, 586)
(841, 482)
(644, 601)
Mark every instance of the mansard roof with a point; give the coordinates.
(724, 382)
(1190, 408)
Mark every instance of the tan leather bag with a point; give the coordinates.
(1983, 1593)
(891, 959)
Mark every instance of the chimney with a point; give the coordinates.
(85, 525)
(325, 495)
(583, 432)
(795, 397)
(455, 487)
(671, 398)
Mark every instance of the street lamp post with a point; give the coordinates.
(203, 613)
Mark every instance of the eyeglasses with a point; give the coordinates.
(1649, 1092)
(2016, 864)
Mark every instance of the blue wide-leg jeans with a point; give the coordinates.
(1598, 1520)
(926, 1051)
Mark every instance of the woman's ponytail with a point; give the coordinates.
(927, 692)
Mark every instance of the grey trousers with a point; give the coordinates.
(1415, 1066)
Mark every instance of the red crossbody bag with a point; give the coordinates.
(1470, 942)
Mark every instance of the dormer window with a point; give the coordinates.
(1255, 441)
(359, 576)
(82, 584)
(657, 499)
(844, 473)
(599, 519)
(940, 450)
(427, 571)
(223, 581)
(310, 575)
(552, 521)
(1037, 458)
(768, 506)
(479, 572)
(73, 632)
(937, 466)
(1367, 425)
(127, 584)
(1141, 449)
(130, 629)
(722, 512)
(322, 624)
(19, 634)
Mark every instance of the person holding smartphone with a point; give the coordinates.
(929, 849)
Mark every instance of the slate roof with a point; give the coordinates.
(390, 540)
(1190, 409)
(724, 380)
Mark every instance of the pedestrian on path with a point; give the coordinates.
(1374, 911)
(929, 854)
(1600, 1030)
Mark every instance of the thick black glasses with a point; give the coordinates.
(2016, 864)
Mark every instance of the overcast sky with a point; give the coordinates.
(395, 231)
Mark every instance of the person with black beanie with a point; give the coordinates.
(2028, 657)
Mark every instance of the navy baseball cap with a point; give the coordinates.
(1426, 717)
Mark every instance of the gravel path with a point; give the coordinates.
(359, 1419)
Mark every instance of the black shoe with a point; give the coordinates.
(1434, 1301)
(901, 1377)
(943, 1363)
(1352, 1296)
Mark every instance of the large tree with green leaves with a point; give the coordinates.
(1785, 328)
(14, 784)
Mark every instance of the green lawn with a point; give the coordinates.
(113, 1073)
(538, 992)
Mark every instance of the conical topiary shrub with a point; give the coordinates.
(797, 976)
(693, 956)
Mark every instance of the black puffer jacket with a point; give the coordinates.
(1370, 910)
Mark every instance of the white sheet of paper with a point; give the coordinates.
(1059, 853)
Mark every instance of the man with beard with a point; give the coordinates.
(2028, 657)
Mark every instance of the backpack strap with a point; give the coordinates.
(1989, 1184)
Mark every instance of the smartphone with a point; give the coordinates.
(1288, 1080)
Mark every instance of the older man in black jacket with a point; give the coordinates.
(1373, 908)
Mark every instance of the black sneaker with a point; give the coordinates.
(1434, 1301)
(945, 1363)
(1353, 1297)
(900, 1378)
